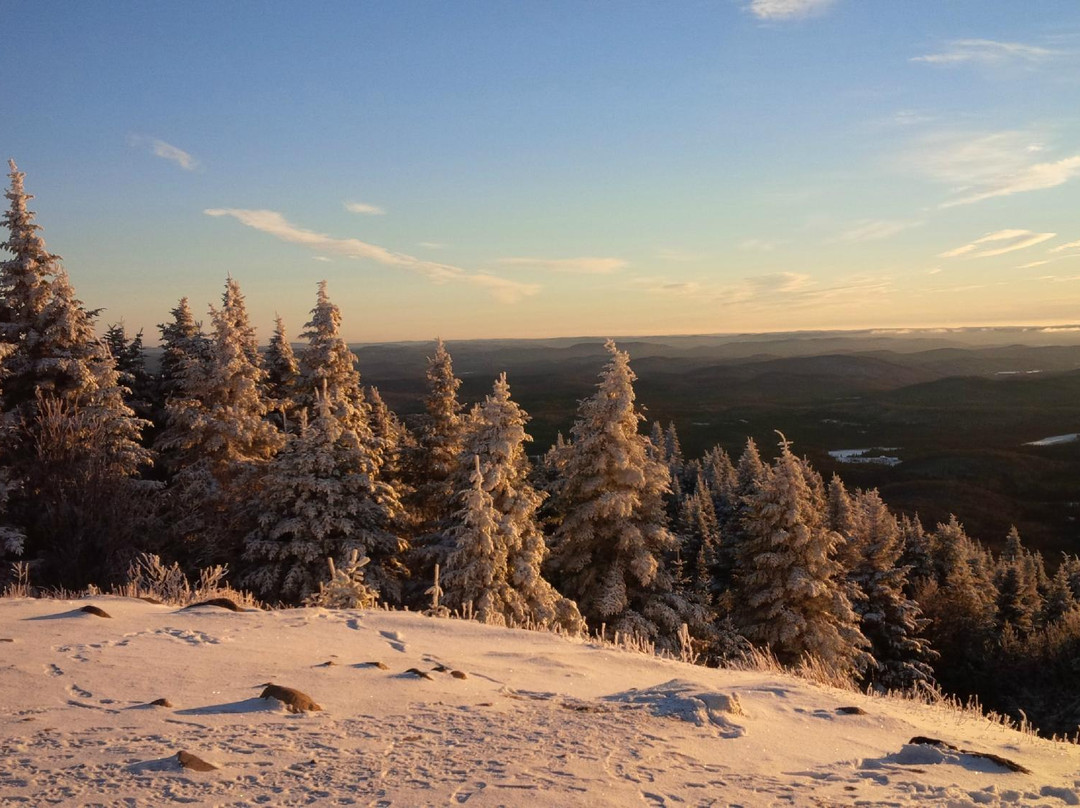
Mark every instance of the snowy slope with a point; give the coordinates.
(537, 720)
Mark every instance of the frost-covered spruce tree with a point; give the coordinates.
(609, 549)
(72, 441)
(788, 589)
(216, 438)
(182, 343)
(391, 438)
(889, 619)
(282, 372)
(475, 575)
(439, 442)
(496, 437)
(24, 292)
(320, 498)
(130, 360)
(220, 416)
(328, 369)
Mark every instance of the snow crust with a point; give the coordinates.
(537, 719)
(1055, 440)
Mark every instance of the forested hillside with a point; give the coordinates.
(274, 462)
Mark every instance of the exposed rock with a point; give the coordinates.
(222, 603)
(1005, 763)
(418, 672)
(294, 700)
(851, 711)
(161, 703)
(190, 761)
(458, 674)
(91, 609)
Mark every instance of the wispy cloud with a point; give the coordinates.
(166, 151)
(432, 245)
(364, 208)
(874, 229)
(998, 243)
(986, 51)
(786, 9)
(1071, 245)
(320, 258)
(660, 285)
(274, 224)
(985, 166)
(583, 266)
(1033, 264)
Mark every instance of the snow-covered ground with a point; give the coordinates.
(530, 719)
(869, 455)
(1055, 440)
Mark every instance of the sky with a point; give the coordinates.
(495, 169)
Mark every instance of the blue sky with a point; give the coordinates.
(522, 169)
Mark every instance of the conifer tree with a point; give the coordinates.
(699, 534)
(71, 441)
(439, 442)
(788, 589)
(608, 551)
(217, 437)
(888, 618)
(328, 369)
(24, 292)
(282, 372)
(1059, 600)
(182, 343)
(220, 416)
(476, 571)
(130, 361)
(496, 437)
(321, 498)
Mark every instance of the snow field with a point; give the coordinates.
(539, 719)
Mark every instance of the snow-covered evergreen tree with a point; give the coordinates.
(608, 551)
(788, 588)
(282, 371)
(25, 291)
(889, 619)
(321, 498)
(328, 369)
(476, 571)
(216, 438)
(496, 438)
(220, 415)
(182, 343)
(439, 442)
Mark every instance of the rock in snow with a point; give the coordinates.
(541, 720)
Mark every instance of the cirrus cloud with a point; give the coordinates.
(986, 51)
(787, 9)
(581, 266)
(998, 243)
(364, 208)
(275, 224)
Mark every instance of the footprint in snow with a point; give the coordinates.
(395, 639)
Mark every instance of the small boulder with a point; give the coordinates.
(294, 700)
(851, 711)
(458, 674)
(221, 603)
(418, 672)
(91, 609)
(190, 761)
(161, 703)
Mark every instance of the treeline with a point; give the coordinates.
(274, 462)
